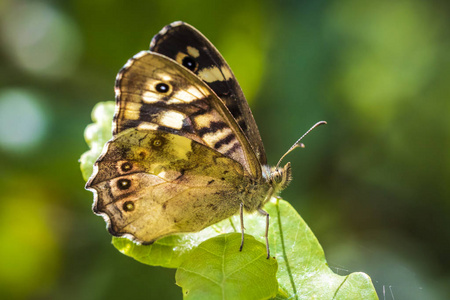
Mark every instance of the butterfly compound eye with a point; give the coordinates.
(162, 88)
(276, 177)
(189, 63)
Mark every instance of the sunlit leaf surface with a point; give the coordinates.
(216, 269)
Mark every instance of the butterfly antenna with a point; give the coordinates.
(297, 143)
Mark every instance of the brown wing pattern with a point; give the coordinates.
(190, 48)
(149, 184)
(154, 92)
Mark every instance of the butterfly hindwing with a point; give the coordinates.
(190, 48)
(150, 184)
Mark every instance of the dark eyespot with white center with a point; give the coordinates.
(157, 142)
(128, 206)
(126, 166)
(123, 184)
(189, 63)
(162, 88)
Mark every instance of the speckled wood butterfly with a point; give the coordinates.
(186, 152)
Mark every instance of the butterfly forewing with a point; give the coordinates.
(190, 48)
(155, 93)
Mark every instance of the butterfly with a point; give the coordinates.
(186, 152)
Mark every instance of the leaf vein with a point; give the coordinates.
(201, 275)
(339, 287)
(288, 268)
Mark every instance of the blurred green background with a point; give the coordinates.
(373, 185)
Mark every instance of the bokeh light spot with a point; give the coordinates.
(40, 39)
(29, 245)
(22, 121)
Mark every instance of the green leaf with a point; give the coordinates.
(170, 251)
(303, 271)
(302, 274)
(96, 135)
(216, 269)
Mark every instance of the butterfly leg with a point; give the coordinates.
(241, 211)
(265, 213)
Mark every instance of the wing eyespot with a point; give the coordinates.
(162, 88)
(142, 153)
(124, 184)
(190, 63)
(126, 166)
(157, 142)
(128, 206)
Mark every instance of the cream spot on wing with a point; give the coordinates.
(204, 120)
(174, 101)
(147, 126)
(225, 147)
(171, 119)
(226, 73)
(162, 175)
(210, 74)
(150, 97)
(189, 95)
(131, 115)
(212, 137)
(179, 57)
(184, 96)
(165, 77)
(196, 92)
(169, 175)
(193, 51)
(131, 111)
(215, 74)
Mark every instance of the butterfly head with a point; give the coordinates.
(280, 177)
